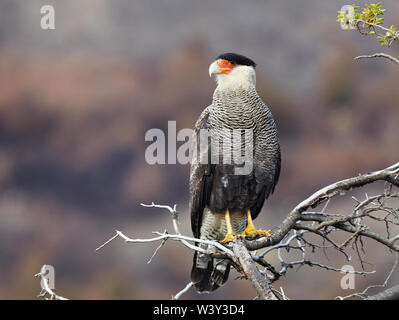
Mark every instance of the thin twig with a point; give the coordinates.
(378, 55)
(179, 294)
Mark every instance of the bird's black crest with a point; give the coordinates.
(237, 59)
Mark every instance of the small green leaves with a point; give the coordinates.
(371, 12)
(389, 36)
(367, 21)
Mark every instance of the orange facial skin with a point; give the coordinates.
(225, 66)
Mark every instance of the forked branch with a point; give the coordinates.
(290, 235)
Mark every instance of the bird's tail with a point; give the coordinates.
(208, 273)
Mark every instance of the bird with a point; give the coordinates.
(224, 204)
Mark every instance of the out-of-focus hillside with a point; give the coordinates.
(75, 104)
(287, 39)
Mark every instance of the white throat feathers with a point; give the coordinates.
(240, 77)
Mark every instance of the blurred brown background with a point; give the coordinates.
(75, 104)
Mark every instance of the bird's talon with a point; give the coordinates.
(253, 233)
(229, 238)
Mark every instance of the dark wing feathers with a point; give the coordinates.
(265, 185)
(201, 178)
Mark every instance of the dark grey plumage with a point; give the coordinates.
(215, 188)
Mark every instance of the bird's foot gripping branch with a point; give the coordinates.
(309, 218)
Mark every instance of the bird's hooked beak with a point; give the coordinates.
(220, 66)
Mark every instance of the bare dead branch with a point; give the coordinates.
(378, 55)
(250, 270)
(180, 293)
(388, 294)
(292, 233)
(177, 237)
(319, 197)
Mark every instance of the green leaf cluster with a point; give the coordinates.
(388, 37)
(367, 20)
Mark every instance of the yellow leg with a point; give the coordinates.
(230, 235)
(251, 231)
